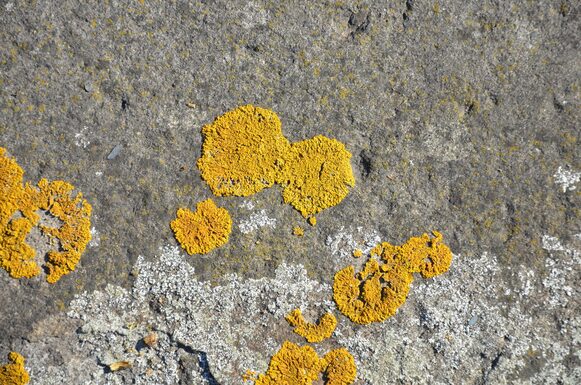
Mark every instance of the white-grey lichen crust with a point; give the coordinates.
(452, 327)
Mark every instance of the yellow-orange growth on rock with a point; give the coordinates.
(14, 373)
(312, 332)
(18, 215)
(244, 151)
(204, 230)
(374, 294)
(295, 365)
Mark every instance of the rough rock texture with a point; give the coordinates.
(461, 117)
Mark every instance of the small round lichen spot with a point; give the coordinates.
(339, 367)
(204, 230)
(312, 221)
(298, 231)
(243, 151)
(357, 253)
(317, 175)
(14, 372)
(312, 332)
(292, 365)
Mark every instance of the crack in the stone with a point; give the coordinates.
(202, 361)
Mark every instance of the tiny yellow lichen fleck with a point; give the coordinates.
(357, 253)
(374, 294)
(17, 257)
(312, 221)
(14, 373)
(294, 365)
(244, 151)
(249, 375)
(298, 231)
(312, 332)
(204, 230)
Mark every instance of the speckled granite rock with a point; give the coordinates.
(461, 117)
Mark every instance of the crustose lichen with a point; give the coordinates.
(312, 332)
(294, 365)
(18, 206)
(244, 151)
(374, 294)
(204, 230)
(14, 373)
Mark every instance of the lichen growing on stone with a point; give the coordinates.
(310, 331)
(16, 257)
(316, 175)
(298, 231)
(291, 365)
(75, 233)
(14, 372)
(204, 230)
(374, 294)
(18, 206)
(339, 367)
(295, 365)
(244, 152)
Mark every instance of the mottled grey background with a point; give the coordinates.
(458, 115)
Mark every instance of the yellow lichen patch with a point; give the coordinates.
(292, 365)
(374, 294)
(317, 175)
(425, 255)
(204, 230)
(75, 232)
(18, 206)
(16, 257)
(298, 231)
(242, 151)
(312, 332)
(249, 375)
(339, 367)
(312, 221)
(14, 373)
(357, 253)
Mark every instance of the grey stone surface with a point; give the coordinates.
(462, 117)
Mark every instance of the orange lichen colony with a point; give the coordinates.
(244, 151)
(14, 373)
(374, 294)
(312, 332)
(204, 230)
(295, 365)
(298, 231)
(18, 206)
